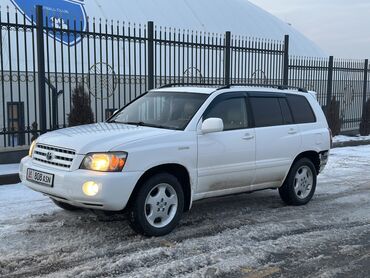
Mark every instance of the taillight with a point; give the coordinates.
(331, 138)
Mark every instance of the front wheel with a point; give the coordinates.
(157, 206)
(300, 184)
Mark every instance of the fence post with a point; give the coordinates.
(150, 55)
(41, 67)
(330, 82)
(54, 99)
(286, 61)
(227, 57)
(366, 67)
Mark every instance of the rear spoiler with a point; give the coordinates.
(313, 93)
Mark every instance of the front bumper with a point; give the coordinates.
(114, 188)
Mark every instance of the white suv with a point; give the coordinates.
(175, 145)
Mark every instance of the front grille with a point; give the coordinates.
(55, 156)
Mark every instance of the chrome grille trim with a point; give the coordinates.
(61, 157)
(51, 148)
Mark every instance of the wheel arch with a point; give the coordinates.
(177, 170)
(312, 155)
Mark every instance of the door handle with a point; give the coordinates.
(248, 136)
(292, 131)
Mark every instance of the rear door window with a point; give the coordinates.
(266, 111)
(301, 109)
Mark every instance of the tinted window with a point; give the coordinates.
(287, 115)
(232, 112)
(266, 111)
(301, 109)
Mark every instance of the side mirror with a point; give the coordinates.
(212, 125)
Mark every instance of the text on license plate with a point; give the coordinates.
(40, 177)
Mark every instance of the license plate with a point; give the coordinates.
(40, 177)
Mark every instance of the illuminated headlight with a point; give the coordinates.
(104, 162)
(32, 148)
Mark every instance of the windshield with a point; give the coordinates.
(170, 110)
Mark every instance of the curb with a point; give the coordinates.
(351, 144)
(9, 179)
(14, 178)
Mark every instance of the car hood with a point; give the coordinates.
(100, 137)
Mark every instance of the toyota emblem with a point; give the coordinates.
(49, 156)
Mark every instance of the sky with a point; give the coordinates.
(340, 27)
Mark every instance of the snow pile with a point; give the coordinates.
(8, 169)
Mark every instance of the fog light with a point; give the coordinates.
(90, 188)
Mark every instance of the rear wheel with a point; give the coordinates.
(300, 185)
(65, 206)
(157, 206)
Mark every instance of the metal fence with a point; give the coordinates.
(343, 80)
(43, 61)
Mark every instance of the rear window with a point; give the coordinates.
(301, 109)
(266, 111)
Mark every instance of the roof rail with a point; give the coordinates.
(189, 84)
(220, 86)
(279, 87)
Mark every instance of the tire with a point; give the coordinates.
(300, 184)
(157, 206)
(65, 206)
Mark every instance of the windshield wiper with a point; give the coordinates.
(146, 124)
(127, 123)
(140, 123)
(134, 123)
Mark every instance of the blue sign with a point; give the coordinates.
(63, 14)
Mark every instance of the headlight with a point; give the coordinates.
(32, 147)
(104, 162)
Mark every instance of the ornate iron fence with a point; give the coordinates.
(43, 60)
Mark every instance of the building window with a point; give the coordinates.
(16, 123)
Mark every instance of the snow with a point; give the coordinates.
(17, 198)
(249, 235)
(7, 169)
